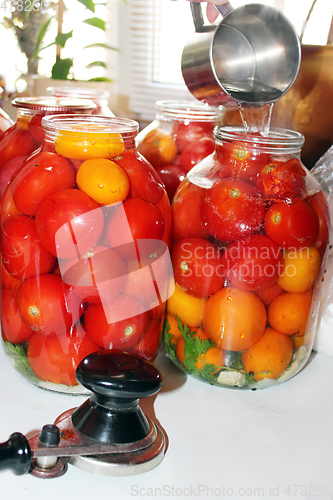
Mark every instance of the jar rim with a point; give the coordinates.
(191, 110)
(74, 123)
(52, 103)
(80, 92)
(276, 137)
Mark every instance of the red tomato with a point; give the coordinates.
(195, 152)
(171, 176)
(12, 327)
(233, 209)
(197, 267)
(35, 127)
(190, 132)
(269, 294)
(148, 279)
(8, 207)
(292, 225)
(47, 305)
(69, 223)
(239, 160)
(40, 176)
(7, 171)
(144, 181)
(15, 141)
(7, 280)
(23, 254)
(253, 263)
(54, 358)
(281, 180)
(319, 203)
(101, 273)
(186, 210)
(150, 342)
(120, 325)
(135, 219)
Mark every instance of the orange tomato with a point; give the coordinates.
(93, 142)
(103, 180)
(234, 319)
(214, 356)
(288, 313)
(187, 308)
(301, 268)
(158, 147)
(269, 356)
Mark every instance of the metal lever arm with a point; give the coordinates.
(15, 454)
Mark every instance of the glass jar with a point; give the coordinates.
(249, 243)
(26, 134)
(99, 96)
(85, 229)
(180, 136)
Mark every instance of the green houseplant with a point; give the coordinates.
(42, 26)
(62, 68)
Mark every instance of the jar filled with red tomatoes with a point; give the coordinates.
(181, 135)
(99, 96)
(26, 134)
(249, 243)
(85, 229)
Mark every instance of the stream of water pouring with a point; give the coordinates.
(256, 118)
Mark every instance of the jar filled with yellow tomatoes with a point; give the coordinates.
(249, 242)
(85, 229)
(26, 135)
(181, 135)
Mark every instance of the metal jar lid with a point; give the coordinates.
(54, 104)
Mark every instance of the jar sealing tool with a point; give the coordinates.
(108, 434)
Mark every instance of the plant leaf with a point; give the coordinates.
(100, 79)
(97, 22)
(61, 69)
(103, 45)
(96, 64)
(40, 37)
(89, 4)
(62, 38)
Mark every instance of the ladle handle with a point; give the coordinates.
(198, 18)
(15, 454)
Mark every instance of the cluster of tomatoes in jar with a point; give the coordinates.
(23, 137)
(249, 239)
(85, 228)
(178, 139)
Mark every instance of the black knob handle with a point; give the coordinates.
(15, 454)
(117, 381)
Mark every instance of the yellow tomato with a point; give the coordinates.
(187, 308)
(301, 269)
(89, 143)
(103, 180)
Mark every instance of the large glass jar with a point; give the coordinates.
(99, 96)
(26, 134)
(249, 241)
(85, 229)
(180, 136)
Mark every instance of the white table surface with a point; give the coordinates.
(222, 443)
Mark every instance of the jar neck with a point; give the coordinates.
(82, 127)
(187, 112)
(279, 142)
